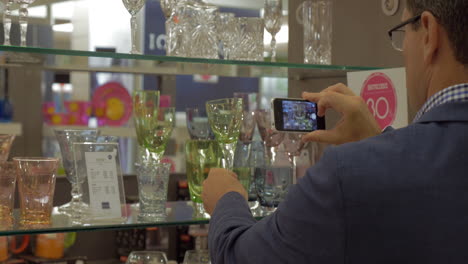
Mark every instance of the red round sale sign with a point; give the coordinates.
(379, 94)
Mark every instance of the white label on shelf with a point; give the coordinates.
(103, 185)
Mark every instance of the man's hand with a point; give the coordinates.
(356, 121)
(218, 183)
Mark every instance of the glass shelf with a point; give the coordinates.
(88, 61)
(178, 213)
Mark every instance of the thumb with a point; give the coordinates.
(324, 136)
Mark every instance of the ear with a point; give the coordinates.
(431, 37)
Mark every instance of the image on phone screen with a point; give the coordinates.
(299, 115)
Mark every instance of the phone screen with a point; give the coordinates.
(296, 115)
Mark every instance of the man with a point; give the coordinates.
(400, 196)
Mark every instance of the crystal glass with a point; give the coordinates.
(145, 112)
(133, 7)
(167, 6)
(146, 257)
(155, 133)
(201, 156)
(153, 181)
(272, 184)
(226, 30)
(36, 185)
(7, 194)
(5, 145)
(198, 125)
(7, 22)
(201, 40)
(66, 138)
(249, 40)
(316, 17)
(23, 19)
(273, 16)
(197, 257)
(293, 146)
(270, 137)
(225, 117)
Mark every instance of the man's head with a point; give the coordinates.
(434, 46)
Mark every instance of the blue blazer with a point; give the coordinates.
(400, 197)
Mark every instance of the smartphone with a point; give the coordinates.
(296, 115)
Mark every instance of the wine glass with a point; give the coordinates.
(133, 7)
(226, 29)
(145, 112)
(7, 22)
(270, 137)
(273, 15)
(197, 124)
(66, 138)
(225, 117)
(146, 257)
(23, 19)
(293, 146)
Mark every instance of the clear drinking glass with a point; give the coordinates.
(270, 137)
(198, 125)
(36, 186)
(201, 156)
(273, 16)
(66, 138)
(201, 40)
(317, 20)
(7, 22)
(226, 30)
(146, 257)
(133, 7)
(7, 194)
(153, 181)
(167, 6)
(5, 145)
(145, 112)
(272, 184)
(225, 117)
(197, 257)
(249, 41)
(293, 146)
(23, 19)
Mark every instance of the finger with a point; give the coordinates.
(336, 101)
(313, 97)
(322, 136)
(339, 88)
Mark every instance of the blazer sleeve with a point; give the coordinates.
(307, 227)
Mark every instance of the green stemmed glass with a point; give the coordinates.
(145, 112)
(225, 117)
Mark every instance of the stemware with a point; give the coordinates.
(225, 117)
(270, 137)
(273, 16)
(226, 30)
(66, 138)
(23, 19)
(145, 112)
(7, 22)
(199, 256)
(197, 124)
(146, 257)
(133, 7)
(293, 146)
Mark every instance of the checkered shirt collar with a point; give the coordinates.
(456, 93)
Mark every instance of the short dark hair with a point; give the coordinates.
(453, 16)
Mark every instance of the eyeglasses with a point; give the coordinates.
(397, 34)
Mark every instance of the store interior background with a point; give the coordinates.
(359, 39)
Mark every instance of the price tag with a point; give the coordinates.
(103, 184)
